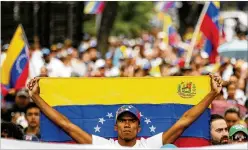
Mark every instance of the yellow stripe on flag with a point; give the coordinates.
(167, 23)
(16, 45)
(89, 7)
(110, 91)
(217, 4)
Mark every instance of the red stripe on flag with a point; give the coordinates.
(4, 90)
(21, 81)
(100, 8)
(191, 142)
(210, 30)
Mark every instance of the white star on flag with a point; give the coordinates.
(110, 115)
(147, 121)
(140, 114)
(101, 120)
(152, 128)
(97, 128)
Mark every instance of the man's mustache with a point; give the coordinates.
(224, 138)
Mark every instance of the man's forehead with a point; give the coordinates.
(220, 123)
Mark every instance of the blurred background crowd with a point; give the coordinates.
(144, 55)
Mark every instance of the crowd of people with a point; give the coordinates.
(146, 56)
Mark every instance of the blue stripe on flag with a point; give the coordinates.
(161, 117)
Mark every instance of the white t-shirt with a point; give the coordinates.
(152, 142)
(56, 68)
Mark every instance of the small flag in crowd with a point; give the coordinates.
(164, 6)
(15, 67)
(210, 28)
(94, 7)
(171, 36)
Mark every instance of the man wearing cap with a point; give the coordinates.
(19, 107)
(127, 121)
(238, 134)
(54, 66)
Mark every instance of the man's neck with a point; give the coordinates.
(130, 143)
(32, 130)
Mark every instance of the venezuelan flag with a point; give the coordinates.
(91, 103)
(171, 35)
(210, 28)
(94, 7)
(15, 67)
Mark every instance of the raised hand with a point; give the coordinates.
(216, 83)
(33, 87)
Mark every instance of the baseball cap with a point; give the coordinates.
(45, 51)
(5, 47)
(128, 108)
(100, 63)
(237, 128)
(22, 92)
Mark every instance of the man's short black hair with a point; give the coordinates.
(216, 117)
(31, 105)
(233, 110)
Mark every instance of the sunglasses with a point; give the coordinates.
(240, 137)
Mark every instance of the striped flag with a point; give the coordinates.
(210, 28)
(95, 110)
(94, 7)
(171, 36)
(15, 67)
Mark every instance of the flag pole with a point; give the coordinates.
(26, 41)
(194, 37)
(24, 37)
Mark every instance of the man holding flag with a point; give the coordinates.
(127, 120)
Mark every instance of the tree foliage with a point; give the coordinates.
(132, 18)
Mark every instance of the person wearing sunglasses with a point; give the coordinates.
(238, 134)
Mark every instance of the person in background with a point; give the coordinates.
(16, 114)
(53, 65)
(232, 116)
(33, 118)
(36, 60)
(43, 72)
(218, 130)
(11, 131)
(3, 53)
(231, 90)
(238, 134)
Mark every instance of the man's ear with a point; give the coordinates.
(115, 127)
(139, 129)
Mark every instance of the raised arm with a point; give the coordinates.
(192, 114)
(73, 130)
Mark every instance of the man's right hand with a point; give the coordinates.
(33, 87)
